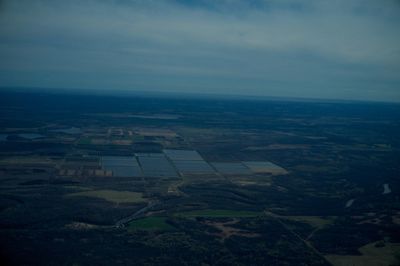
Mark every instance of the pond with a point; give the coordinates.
(386, 189)
(349, 203)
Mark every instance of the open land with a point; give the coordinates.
(181, 181)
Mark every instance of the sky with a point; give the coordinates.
(336, 49)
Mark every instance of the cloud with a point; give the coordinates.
(285, 48)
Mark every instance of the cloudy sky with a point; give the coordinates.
(344, 49)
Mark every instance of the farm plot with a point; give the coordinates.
(265, 167)
(156, 165)
(194, 167)
(150, 223)
(183, 155)
(114, 196)
(235, 168)
(121, 166)
(189, 162)
(212, 213)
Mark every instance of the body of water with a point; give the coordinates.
(349, 203)
(386, 189)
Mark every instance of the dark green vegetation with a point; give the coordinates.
(149, 223)
(218, 213)
(99, 181)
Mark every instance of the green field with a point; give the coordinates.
(150, 223)
(114, 196)
(85, 141)
(219, 213)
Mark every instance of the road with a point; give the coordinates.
(140, 213)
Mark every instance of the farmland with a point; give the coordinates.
(149, 223)
(111, 195)
(218, 213)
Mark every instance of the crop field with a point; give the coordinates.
(85, 141)
(265, 167)
(156, 165)
(150, 223)
(183, 155)
(232, 168)
(154, 132)
(219, 213)
(121, 166)
(193, 167)
(113, 196)
(39, 160)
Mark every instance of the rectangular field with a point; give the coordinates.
(265, 167)
(184, 155)
(232, 168)
(219, 213)
(121, 166)
(156, 165)
(194, 167)
(114, 196)
(150, 223)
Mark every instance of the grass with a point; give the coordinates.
(114, 196)
(371, 256)
(150, 223)
(219, 213)
(85, 141)
(75, 187)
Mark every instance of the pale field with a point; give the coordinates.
(314, 221)
(114, 196)
(371, 256)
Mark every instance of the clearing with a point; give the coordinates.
(150, 223)
(114, 196)
(371, 256)
(219, 213)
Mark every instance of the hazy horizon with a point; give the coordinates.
(179, 94)
(347, 50)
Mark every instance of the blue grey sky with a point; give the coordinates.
(343, 49)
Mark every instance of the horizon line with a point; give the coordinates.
(180, 94)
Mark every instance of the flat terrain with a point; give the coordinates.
(149, 223)
(111, 195)
(218, 213)
(179, 181)
(371, 255)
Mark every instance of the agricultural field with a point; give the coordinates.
(149, 223)
(218, 214)
(113, 196)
